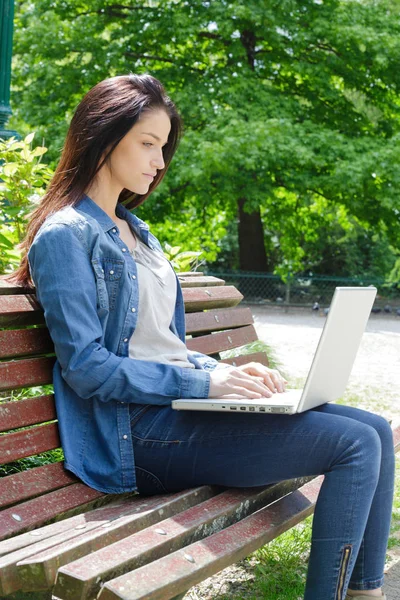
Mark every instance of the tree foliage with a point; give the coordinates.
(23, 179)
(291, 107)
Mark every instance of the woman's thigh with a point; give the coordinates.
(182, 449)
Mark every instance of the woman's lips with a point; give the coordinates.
(148, 175)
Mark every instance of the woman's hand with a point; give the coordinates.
(270, 377)
(252, 381)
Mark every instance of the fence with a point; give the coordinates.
(304, 290)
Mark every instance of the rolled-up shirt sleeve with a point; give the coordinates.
(207, 362)
(66, 289)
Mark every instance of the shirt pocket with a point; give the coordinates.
(108, 272)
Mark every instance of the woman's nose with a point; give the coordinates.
(158, 162)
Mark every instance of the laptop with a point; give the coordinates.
(329, 372)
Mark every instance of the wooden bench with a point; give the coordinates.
(63, 540)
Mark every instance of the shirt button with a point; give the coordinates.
(126, 339)
(133, 276)
(133, 309)
(111, 272)
(114, 231)
(125, 437)
(123, 249)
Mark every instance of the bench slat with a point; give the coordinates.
(77, 522)
(205, 298)
(260, 357)
(27, 372)
(28, 442)
(182, 569)
(25, 342)
(39, 480)
(199, 281)
(79, 580)
(21, 309)
(7, 288)
(226, 340)
(36, 512)
(131, 514)
(218, 319)
(28, 411)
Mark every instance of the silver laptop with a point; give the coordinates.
(330, 369)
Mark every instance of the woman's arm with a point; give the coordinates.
(66, 289)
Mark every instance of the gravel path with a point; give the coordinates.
(375, 379)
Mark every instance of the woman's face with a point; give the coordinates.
(139, 155)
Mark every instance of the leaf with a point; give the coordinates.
(39, 151)
(174, 250)
(5, 241)
(28, 139)
(10, 169)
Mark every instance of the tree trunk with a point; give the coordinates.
(252, 256)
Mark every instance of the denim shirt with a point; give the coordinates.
(86, 283)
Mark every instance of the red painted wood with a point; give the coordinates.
(178, 571)
(226, 340)
(207, 298)
(19, 309)
(34, 482)
(199, 281)
(36, 512)
(217, 320)
(28, 442)
(28, 411)
(25, 342)
(56, 531)
(51, 535)
(25, 566)
(39, 571)
(260, 357)
(8, 288)
(79, 580)
(26, 372)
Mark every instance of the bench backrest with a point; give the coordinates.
(31, 495)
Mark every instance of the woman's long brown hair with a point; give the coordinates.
(104, 116)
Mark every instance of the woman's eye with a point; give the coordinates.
(147, 144)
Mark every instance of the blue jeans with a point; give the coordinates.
(176, 450)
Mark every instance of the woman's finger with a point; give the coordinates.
(260, 384)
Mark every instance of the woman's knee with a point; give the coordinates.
(384, 430)
(365, 448)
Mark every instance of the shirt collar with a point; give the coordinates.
(90, 207)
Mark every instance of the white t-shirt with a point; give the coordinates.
(152, 339)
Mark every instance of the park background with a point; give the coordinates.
(288, 173)
(286, 181)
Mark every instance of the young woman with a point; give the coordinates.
(114, 309)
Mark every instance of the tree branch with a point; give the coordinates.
(327, 48)
(214, 36)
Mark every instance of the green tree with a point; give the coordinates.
(284, 103)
